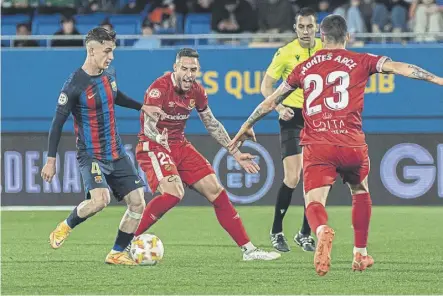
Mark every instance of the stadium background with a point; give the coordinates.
(403, 119)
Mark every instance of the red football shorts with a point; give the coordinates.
(183, 160)
(322, 163)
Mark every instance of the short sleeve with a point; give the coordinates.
(374, 63)
(156, 93)
(293, 80)
(277, 66)
(201, 98)
(68, 97)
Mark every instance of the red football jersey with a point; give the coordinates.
(178, 106)
(334, 83)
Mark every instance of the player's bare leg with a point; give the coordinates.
(229, 219)
(136, 205)
(172, 191)
(129, 223)
(361, 216)
(318, 219)
(100, 198)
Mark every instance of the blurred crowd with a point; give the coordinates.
(239, 16)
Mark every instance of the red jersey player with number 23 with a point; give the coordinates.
(334, 81)
(170, 160)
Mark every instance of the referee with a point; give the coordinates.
(291, 123)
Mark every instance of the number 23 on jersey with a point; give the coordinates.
(340, 80)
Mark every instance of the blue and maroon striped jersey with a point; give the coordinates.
(91, 101)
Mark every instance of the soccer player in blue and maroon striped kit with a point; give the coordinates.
(90, 94)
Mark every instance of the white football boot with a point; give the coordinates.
(258, 254)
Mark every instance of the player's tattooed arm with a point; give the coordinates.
(214, 127)
(269, 104)
(419, 73)
(150, 127)
(151, 131)
(267, 88)
(410, 71)
(219, 133)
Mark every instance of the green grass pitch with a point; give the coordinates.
(200, 258)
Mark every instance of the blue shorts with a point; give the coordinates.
(120, 175)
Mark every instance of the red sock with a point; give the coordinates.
(317, 215)
(361, 215)
(156, 208)
(229, 219)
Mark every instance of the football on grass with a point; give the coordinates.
(147, 249)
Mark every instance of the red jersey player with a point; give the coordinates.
(169, 160)
(334, 81)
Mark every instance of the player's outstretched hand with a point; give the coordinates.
(247, 162)
(243, 134)
(249, 135)
(154, 112)
(48, 171)
(162, 139)
(286, 114)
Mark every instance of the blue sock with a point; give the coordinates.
(73, 219)
(122, 241)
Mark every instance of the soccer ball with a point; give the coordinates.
(147, 249)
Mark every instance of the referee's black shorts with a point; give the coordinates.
(290, 134)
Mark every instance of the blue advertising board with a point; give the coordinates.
(32, 79)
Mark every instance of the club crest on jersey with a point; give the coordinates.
(191, 104)
(62, 99)
(114, 86)
(98, 179)
(154, 93)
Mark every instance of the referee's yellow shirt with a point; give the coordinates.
(285, 60)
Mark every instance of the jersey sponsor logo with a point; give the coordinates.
(154, 93)
(114, 85)
(177, 117)
(62, 99)
(418, 174)
(326, 116)
(243, 187)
